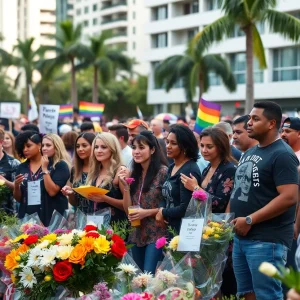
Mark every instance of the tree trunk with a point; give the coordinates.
(201, 85)
(249, 78)
(73, 85)
(95, 85)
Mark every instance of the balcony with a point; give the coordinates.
(111, 5)
(112, 20)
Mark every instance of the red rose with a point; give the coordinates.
(62, 271)
(118, 248)
(88, 228)
(93, 234)
(32, 239)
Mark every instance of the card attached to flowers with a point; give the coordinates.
(190, 231)
(98, 220)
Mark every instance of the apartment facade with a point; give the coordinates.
(124, 18)
(173, 23)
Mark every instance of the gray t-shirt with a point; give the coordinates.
(260, 171)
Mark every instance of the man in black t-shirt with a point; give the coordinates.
(263, 200)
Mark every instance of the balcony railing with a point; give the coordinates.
(106, 6)
(114, 20)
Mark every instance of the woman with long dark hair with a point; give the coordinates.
(79, 172)
(40, 178)
(149, 171)
(183, 149)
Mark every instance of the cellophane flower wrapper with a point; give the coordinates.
(123, 282)
(173, 281)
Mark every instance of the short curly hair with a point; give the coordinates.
(23, 137)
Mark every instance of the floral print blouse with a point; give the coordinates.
(149, 232)
(220, 185)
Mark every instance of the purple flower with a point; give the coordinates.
(129, 180)
(200, 195)
(38, 230)
(61, 231)
(109, 232)
(131, 296)
(101, 291)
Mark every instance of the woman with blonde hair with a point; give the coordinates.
(40, 178)
(105, 164)
(9, 145)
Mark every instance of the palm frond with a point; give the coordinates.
(193, 80)
(236, 9)
(120, 60)
(258, 48)
(283, 23)
(105, 66)
(259, 6)
(214, 32)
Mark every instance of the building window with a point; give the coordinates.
(286, 64)
(160, 13)
(191, 33)
(86, 10)
(238, 67)
(160, 40)
(85, 23)
(133, 29)
(133, 15)
(133, 45)
(213, 4)
(214, 79)
(95, 21)
(78, 11)
(95, 7)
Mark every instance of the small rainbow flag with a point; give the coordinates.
(88, 109)
(65, 111)
(208, 115)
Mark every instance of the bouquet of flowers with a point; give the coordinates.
(40, 262)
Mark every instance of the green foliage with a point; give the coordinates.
(6, 91)
(7, 220)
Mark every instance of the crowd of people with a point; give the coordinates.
(249, 166)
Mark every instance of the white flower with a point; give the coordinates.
(42, 245)
(80, 233)
(65, 239)
(127, 269)
(63, 252)
(167, 277)
(27, 277)
(142, 281)
(33, 258)
(47, 257)
(268, 269)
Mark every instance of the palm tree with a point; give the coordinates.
(105, 60)
(68, 48)
(26, 59)
(193, 69)
(246, 14)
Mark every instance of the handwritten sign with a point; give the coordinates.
(98, 220)
(49, 118)
(10, 110)
(190, 235)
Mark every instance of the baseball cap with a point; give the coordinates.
(64, 128)
(294, 123)
(135, 123)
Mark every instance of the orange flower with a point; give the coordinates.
(10, 261)
(78, 254)
(23, 248)
(87, 243)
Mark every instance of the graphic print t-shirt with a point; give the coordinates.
(260, 171)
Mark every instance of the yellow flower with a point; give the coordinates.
(20, 237)
(13, 278)
(101, 245)
(174, 243)
(87, 243)
(2, 182)
(77, 255)
(209, 231)
(49, 237)
(18, 258)
(216, 236)
(64, 252)
(47, 278)
(205, 237)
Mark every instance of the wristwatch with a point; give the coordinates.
(45, 173)
(249, 220)
(197, 188)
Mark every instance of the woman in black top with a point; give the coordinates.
(79, 173)
(182, 147)
(40, 178)
(105, 164)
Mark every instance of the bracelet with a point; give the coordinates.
(126, 190)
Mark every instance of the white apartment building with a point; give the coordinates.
(125, 19)
(174, 22)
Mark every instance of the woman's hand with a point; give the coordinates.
(18, 180)
(122, 174)
(293, 295)
(96, 197)
(159, 218)
(45, 163)
(139, 214)
(67, 190)
(189, 182)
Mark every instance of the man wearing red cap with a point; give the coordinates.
(135, 127)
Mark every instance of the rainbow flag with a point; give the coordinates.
(88, 109)
(208, 114)
(65, 111)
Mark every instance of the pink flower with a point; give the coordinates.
(109, 232)
(228, 184)
(200, 195)
(160, 242)
(146, 296)
(131, 296)
(129, 180)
